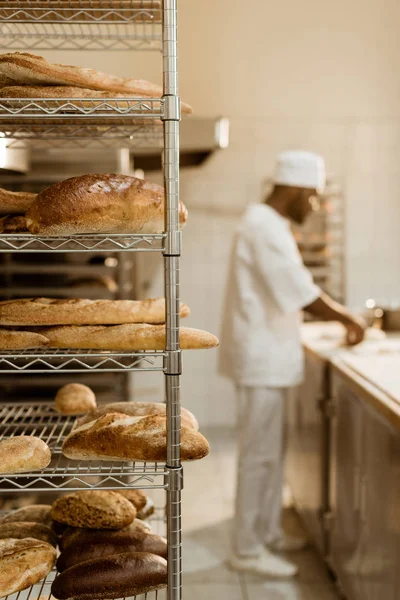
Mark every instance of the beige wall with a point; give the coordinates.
(311, 74)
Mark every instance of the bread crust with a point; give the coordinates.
(23, 454)
(15, 202)
(28, 529)
(74, 535)
(21, 340)
(75, 399)
(94, 509)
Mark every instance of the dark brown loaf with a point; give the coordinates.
(15, 202)
(108, 203)
(21, 340)
(116, 576)
(81, 311)
(137, 409)
(130, 336)
(103, 546)
(94, 509)
(119, 437)
(74, 535)
(19, 531)
(13, 224)
(23, 563)
(36, 513)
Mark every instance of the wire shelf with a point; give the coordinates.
(81, 25)
(82, 243)
(45, 360)
(41, 420)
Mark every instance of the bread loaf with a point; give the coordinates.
(23, 454)
(143, 504)
(134, 337)
(23, 563)
(15, 202)
(75, 399)
(138, 529)
(13, 224)
(118, 576)
(102, 546)
(78, 311)
(21, 340)
(119, 437)
(19, 531)
(94, 509)
(108, 203)
(137, 409)
(36, 513)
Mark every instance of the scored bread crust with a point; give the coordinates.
(23, 454)
(105, 203)
(94, 509)
(37, 513)
(15, 202)
(28, 529)
(23, 563)
(81, 311)
(130, 336)
(137, 409)
(119, 437)
(21, 340)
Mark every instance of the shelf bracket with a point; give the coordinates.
(171, 108)
(173, 362)
(174, 477)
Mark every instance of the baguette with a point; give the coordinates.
(30, 69)
(137, 409)
(119, 437)
(23, 563)
(72, 535)
(75, 311)
(15, 202)
(101, 546)
(119, 576)
(94, 509)
(134, 337)
(107, 203)
(23, 454)
(74, 399)
(20, 531)
(21, 340)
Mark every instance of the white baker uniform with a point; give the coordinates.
(261, 352)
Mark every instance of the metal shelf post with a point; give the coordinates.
(172, 250)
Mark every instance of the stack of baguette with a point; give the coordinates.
(105, 203)
(102, 543)
(125, 325)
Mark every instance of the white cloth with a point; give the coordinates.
(300, 169)
(268, 285)
(260, 468)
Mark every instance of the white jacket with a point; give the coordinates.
(268, 286)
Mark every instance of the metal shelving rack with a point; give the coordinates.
(100, 24)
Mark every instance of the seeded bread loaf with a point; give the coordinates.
(94, 509)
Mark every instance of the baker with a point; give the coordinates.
(261, 352)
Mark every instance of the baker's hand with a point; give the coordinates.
(356, 328)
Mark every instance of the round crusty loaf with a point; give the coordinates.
(94, 509)
(117, 576)
(138, 409)
(23, 563)
(75, 399)
(21, 340)
(106, 203)
(36, 513)
(130, 336)
(143, 504)
(28, 529)
(102, 545)
(74, 535)
(15, 202)
(23, 454)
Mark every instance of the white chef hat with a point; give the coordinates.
(302, 169)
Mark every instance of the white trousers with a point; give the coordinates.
(260, 423)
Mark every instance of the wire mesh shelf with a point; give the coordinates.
(41, 420)
(82, 243)
(45, 360)
(81, 25)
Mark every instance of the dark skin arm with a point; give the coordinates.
(326, 309)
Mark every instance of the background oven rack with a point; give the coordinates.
(81, 25)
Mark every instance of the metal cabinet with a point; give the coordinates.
(365, 540)
(308, 441)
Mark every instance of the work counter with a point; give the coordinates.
(343, 462)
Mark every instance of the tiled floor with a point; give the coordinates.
(207, 521)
